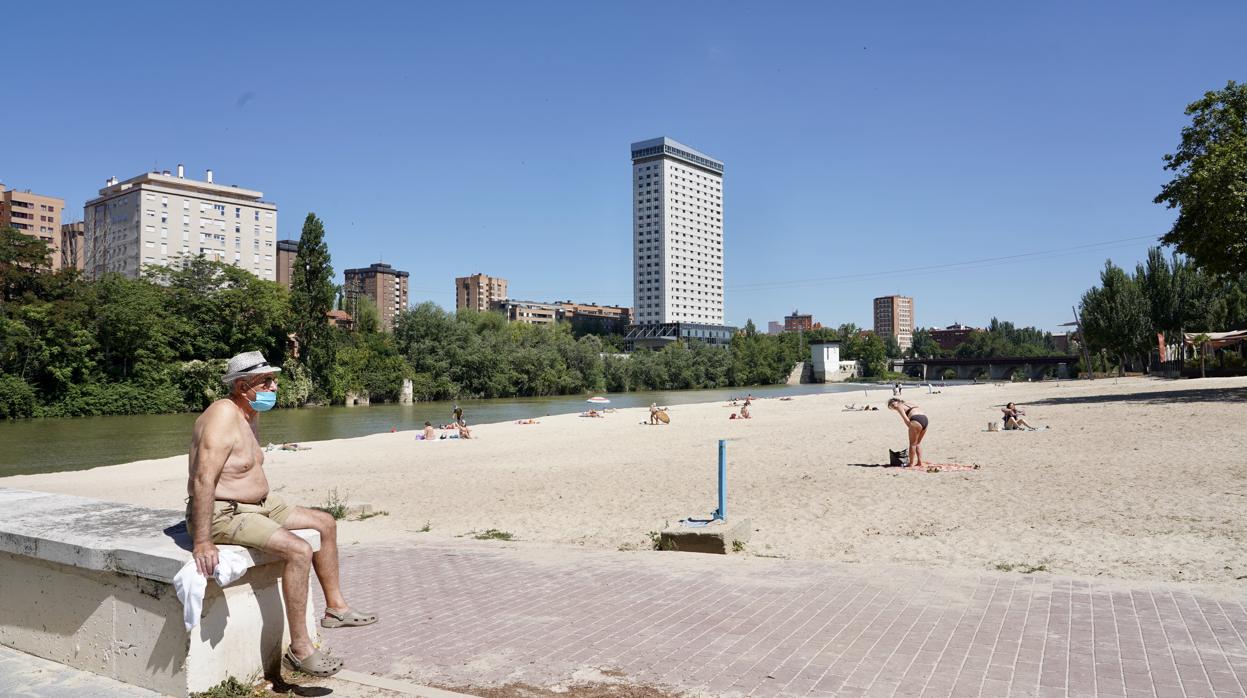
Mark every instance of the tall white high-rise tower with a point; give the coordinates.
(677, 234)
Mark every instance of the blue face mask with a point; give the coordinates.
(264, 400)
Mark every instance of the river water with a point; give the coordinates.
(52, 445)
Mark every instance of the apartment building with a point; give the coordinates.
(799, 323)
(35, 215)
(677, 234)
(479, 291)
(590, 318)
(159, 218)
(286, 250)
(952, 336)
(385, 285)
(894, 317)
(530, 312)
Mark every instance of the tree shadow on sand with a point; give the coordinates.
(1159, 397)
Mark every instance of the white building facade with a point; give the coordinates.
(159, 218)
(826, 366)
(677, 234)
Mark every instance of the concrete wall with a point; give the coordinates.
(88, 583)
(130, 629)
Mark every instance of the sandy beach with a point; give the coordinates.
(1134, 479)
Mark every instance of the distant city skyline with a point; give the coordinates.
(984, 159)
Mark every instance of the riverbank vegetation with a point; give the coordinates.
(1123, 315)
(71, 347)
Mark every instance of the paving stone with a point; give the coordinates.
(464, 614)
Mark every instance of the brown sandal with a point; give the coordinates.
(318, 663)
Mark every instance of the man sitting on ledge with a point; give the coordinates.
(230, 503)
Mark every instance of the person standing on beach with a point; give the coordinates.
(916, 423)
(230, 502)
(457, 413)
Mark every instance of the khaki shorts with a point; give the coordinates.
(251, 525)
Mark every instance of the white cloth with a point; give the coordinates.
(232, 564)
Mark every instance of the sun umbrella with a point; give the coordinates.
(598, 401)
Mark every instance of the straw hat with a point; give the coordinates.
(248, 363)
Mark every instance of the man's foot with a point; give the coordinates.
(346, 618)
(317, 663)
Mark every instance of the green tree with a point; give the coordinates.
(873, 353)
(23, 259)
(17, 398)
(1115, 316)
(131, 326)
(365, 316)
(1209, 187)
(311, 297)
(925, 346)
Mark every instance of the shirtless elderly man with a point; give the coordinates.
(230, 502)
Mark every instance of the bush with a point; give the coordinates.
(115, 398)
(17, 398)
(294, 385)
(200, 383)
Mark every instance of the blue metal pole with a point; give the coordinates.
(721, 514)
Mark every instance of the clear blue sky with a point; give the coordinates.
(461, 137)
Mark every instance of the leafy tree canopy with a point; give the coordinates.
(1209, 186)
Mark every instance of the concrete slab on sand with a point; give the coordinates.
(718, 536)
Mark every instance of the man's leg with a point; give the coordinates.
(325, 560)
(298, 556)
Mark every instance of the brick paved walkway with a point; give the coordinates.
(466, 614)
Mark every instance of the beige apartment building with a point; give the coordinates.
(529, 312)
(159, 218)
(286, 250)
(479, 291)
(596, 319)
(35, 215)
(385, 285)
(894, 317)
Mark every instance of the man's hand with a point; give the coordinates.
(205, 555)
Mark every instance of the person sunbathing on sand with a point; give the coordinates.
(592, 413)
(744, 411)
(527, 421)
(429, 434)
(1014, 419)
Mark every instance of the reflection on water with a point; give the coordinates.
(50, 445)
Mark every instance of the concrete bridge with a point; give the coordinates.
(996, 367)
